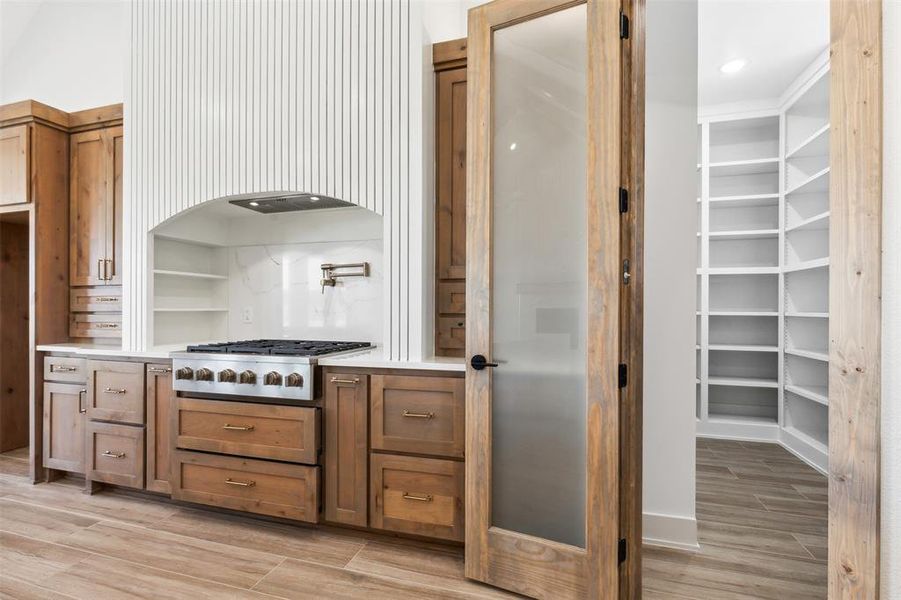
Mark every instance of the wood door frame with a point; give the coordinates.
(855, 289)
(539, 564)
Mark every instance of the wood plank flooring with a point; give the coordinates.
(761, 519)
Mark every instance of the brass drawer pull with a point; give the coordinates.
(112, 391)
(106, 325)
(231, 481)
(112, 454)
(81, 407)
(238, 427)
(159, 370)
(353, 381)
(101, 272)
(62, 369)
(106, 299)
(426, 498)
(415, 415)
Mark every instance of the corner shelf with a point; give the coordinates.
(743, 382)
(818, 182)
(811, 354)
(807, 265)
(818, 394)
(815, 145)
(814, 223)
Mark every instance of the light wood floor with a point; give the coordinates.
(761, 513)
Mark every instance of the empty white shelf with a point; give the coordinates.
(754, 234)
(188, 274)
(743, 271)
(746, 200)
(815, 145)
(818, 182)
(815, 444)
(811, 354)
(182, 310)
(817, 393)
(742, 348)
(808, 315)
(741, 419)
(744, 167)
(817, 263)
(740, 313)
(816, 222)
(743, 382)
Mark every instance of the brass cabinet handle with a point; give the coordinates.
(106, 298)
(112, 391)
(159, 369)
(106, 325)
(353, 381)
(101, 271)
(238, 427)
(415, 415)
(426, 498)
(81, 407)
(112, 270)
(231, 481)
(62, 369)
(113, 454)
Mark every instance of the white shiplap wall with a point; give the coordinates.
(237, 96)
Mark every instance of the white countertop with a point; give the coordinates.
(375, 359)
(88, 349)
(368, 359)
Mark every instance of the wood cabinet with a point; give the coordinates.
(115, 391)
(96, 207)
(64, 426)
(286, 433)
(418, 415)
(15, 170)
(160, 396)
(258, 486)
(346, 448)
(422, 496)
(449, 60)
(115, 454)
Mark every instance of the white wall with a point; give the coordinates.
(670, 263)
(891, 307)
(71, 55)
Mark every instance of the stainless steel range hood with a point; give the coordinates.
(271, 203)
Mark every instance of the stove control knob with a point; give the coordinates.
(272, 378)
(184, 373)
(294, 380)
(203, 375)
(247, 376)
(227, 376)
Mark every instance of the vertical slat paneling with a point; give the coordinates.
(245, 96)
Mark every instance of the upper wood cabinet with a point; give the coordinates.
(96, 207)
(449, 60)
(14, 165)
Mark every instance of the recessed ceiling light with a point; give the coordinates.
(513, 146)
(314, 198)
(254, 203)
(733, 66)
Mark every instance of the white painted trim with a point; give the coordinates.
(670, 531)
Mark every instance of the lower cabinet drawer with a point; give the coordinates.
(116, 391)
(257, 486)
(115, 454)
(65, 368)
(289, 433)
(96, 299)
(422, 496)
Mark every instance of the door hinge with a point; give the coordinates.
(623, 200)
(623, 375)
(622, 550)
(623, 26)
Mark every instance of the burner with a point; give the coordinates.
(279, 347)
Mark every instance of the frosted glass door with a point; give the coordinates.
(539, 267)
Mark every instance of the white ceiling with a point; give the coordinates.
(779, 38)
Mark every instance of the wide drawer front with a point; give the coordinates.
(257, 486)
(288, 433)
(422, 496)
(116, 391)
(115, 454)
(95, 325)
(63, 368)
(420, 415)
(95, 299)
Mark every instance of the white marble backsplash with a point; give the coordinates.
(279, 284)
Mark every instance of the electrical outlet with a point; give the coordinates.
(247, 314)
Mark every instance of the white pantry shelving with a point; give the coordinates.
(763, 272)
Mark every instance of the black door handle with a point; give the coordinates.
(479, 362)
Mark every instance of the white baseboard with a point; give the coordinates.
(670, 531)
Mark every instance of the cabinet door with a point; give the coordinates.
(88, 193)
(14, 165)
(346, 429)
(64, 418)
(159, 403)
(451, 174)
(114, 141)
